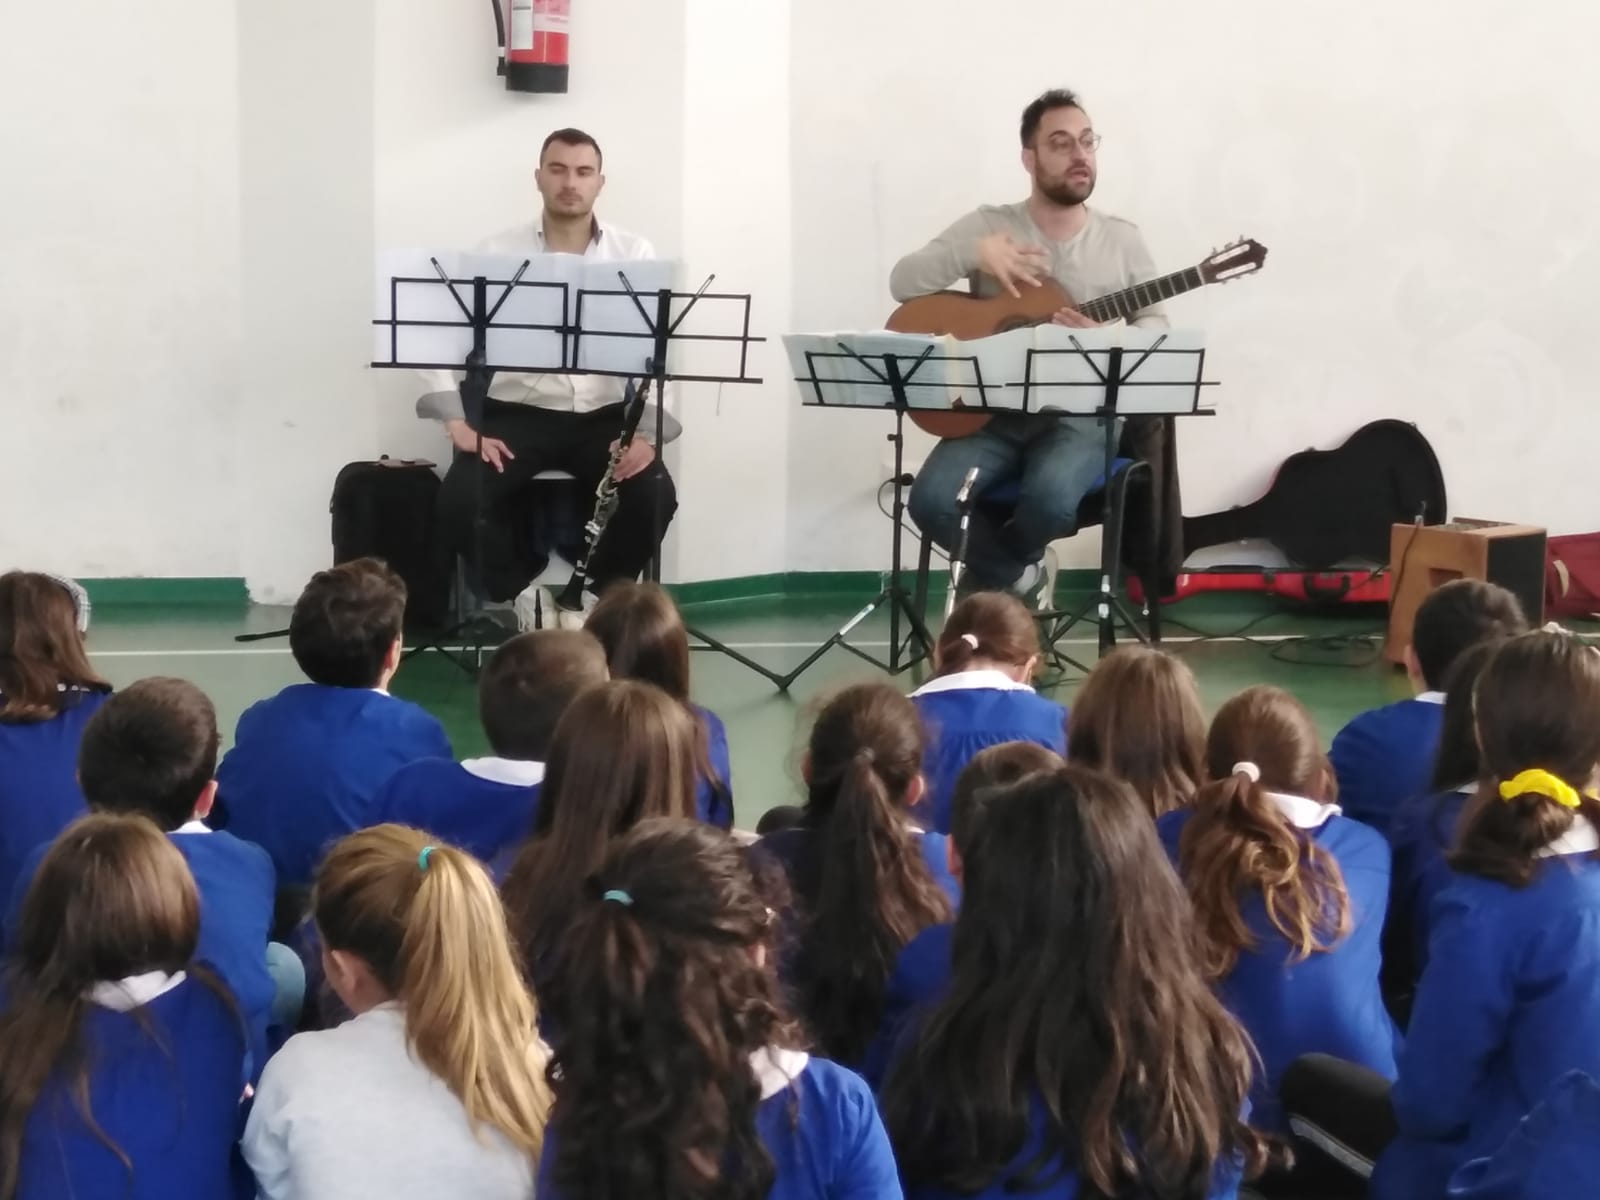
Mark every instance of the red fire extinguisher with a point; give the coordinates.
(534, 49)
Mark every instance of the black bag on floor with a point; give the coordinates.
(385, 509)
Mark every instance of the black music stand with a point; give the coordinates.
(663, 329)
(865, 384)
(1182, 399)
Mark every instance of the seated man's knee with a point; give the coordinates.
(931, 511)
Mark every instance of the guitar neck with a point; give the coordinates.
(1131, 300)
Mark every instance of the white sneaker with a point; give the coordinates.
(1040, 592)
(532, 605)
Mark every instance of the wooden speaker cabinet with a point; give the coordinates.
(1423, 557)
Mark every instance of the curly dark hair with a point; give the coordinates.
(656, 1096)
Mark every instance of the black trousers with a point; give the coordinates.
(549, 440)
(1345, 1106)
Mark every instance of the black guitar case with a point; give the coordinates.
(1328, 506)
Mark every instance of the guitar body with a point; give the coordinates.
(959, 315)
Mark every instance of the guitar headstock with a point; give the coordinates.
(1233, 260)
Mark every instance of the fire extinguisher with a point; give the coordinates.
(533, 53)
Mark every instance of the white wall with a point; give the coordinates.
(119, 288)
(306, 261)
(1423, 177)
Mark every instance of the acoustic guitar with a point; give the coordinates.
(961, 315)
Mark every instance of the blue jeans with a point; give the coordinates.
(1056, 463)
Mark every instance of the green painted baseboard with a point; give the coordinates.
(173, 592)
(225, 590)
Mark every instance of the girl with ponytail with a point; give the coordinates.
(981, 695)
(679, 1077)
(861, 878)
(436, 1087)
(119, 1058)
(1288, 894)
(1510, 997)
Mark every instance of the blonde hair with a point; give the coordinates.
(428, 921)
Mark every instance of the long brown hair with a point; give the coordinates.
(426, 918)
(989, 627)
(645, 638)
(43, 665)
(1538, 707)
(875, 892)
(656, 1096)
(1074, 986)
(622, 751)
(1138, 717)
(1238, 843)
(112, 898)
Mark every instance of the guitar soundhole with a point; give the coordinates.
(1018, 322)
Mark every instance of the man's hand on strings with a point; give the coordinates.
(493, 451)
(1073, 319)
(639, 455)
(1012, 263)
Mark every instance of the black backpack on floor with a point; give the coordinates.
(386, 509)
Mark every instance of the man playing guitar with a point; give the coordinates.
(1056, 462)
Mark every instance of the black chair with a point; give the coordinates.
(1131, 485)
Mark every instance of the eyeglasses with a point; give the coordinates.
(1088, 143)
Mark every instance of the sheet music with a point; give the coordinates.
(426, 299)
(1062, 379)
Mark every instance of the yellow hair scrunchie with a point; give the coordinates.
(1542, 783)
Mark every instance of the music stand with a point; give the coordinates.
(657, 323)
(1162, 379)
(877, 371)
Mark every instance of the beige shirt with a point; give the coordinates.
(561, 392)
(1106, 255)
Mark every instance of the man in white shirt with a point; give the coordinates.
(542, 422)
(1055, 462)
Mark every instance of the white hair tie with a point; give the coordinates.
(1249, 770)
(970, 639)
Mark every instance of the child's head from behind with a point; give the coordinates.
(1455, 616)
(992, 630)
(1457, 763)
(406, 919)
(644, 636)
(994, 767)
(623, 751)
(863, 770)
(529, 682)
(1270, 728)
(1072, 919)
(1138, 717)
(1239, 842)
(151, 749)
(346, 626)
(668, 951)
(1538, 716)
(112, 898)
(866, 730)
(41, 649)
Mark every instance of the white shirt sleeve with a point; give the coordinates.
(265, 1144)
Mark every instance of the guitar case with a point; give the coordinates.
(1329, 506)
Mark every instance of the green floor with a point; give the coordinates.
(132, 641)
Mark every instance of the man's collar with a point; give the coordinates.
(594, 229)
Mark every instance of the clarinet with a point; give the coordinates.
(570, 598)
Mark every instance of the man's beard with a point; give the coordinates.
(1066, 191)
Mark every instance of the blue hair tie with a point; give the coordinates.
(422, 859)
(618, 896)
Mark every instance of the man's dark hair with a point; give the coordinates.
(1053, 99)
(345, 621)
(572, 137)
(1457, 616)
(529, 682)
(150, 749)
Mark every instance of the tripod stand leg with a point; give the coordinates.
(711, 643)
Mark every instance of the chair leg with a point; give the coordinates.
(1152, 567)
(1111, 548)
